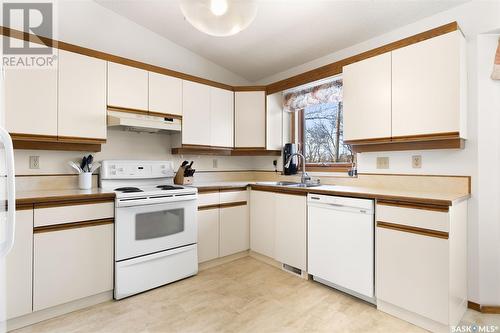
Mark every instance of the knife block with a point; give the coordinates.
(180, 179)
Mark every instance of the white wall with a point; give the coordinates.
(479, 159)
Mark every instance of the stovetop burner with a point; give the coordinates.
(169, 187)
(128, 189)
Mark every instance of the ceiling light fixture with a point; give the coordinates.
(219, 17)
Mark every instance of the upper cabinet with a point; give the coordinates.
(250, 119)
(82, 96)
(428, 95)
(195, 113)
(274, 121)
(367, 98)
(31, 101)
(127, 87)
(165, 94)
(221, 117)
(415, 94)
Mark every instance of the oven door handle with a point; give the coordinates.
(156, 256)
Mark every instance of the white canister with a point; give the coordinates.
(85, 180)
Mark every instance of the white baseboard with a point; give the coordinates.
(38, 316)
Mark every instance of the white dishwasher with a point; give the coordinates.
(340, 243)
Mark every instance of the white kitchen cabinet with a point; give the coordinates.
(291, 226)
(262, 222)
(127, 87)
(415, 276)
(250, 119)
(421, 264)
(221, 117)
(208, 234)
(72, 264)
(31, 100)
(367, 98)
(165, 94)
(234, 230)
(19, 267)
(428, 87)
(195, 114)
(274, 121)
(82, 96)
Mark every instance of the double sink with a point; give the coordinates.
(289, 184)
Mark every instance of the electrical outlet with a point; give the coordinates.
(416, 161)
(34, 162)
(382, 162)
(215, 163)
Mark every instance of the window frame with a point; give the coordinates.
(297, 119)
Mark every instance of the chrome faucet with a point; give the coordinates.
(305, 177)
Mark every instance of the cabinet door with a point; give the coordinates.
(290, 237)
(274, 122)
(165, 94)
(127, 87)
(234, 230)
(31, 101)
(426, 86)
(412, 272)
(208, 234)
(250, 119)
(367, 98)
(82, 96)
(72, 264)
(262, 222)
(19, 267)
(221, 117)
(195, 113)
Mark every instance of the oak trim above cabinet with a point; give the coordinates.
(47, 142)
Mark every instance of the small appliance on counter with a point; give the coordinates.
(288, 150)
(185, 173)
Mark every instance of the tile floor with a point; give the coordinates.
(245, 295)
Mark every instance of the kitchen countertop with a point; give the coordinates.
(438, 199)
(46, 196)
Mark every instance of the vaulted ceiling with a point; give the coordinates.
(285, 33)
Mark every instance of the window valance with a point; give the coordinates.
(330, 92)
(496, 68)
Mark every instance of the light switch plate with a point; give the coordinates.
(382, 162)
(34, 162)
(416, 161)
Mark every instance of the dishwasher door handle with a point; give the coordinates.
(334, 206)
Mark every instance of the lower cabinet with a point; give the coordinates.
(208, 234)
(234, 230)
(19, 267)
(71, 264)
(278, 224)
(421, 264)
(223, 224)
(262, 222)
(291, 226)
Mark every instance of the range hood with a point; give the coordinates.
(143, 123)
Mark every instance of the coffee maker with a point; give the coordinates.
(288, 150)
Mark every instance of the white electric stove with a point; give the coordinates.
(155, 225)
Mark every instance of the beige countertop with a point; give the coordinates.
(440, 199)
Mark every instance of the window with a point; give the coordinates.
(317, 125)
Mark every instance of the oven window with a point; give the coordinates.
(159, 224)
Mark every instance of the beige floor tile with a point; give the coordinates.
(245, 295)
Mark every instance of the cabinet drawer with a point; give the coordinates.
(74, 213)
(414, 217)
(206, 199)
(233, 196)
(72, 264)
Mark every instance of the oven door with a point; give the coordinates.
(146, 229)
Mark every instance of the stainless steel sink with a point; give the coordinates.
(289, 184)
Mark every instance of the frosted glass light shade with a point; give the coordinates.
(219, 17)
